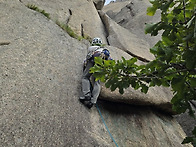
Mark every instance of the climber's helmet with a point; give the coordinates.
(97, 41)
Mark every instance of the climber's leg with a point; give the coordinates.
(96, 91)
(86, 86)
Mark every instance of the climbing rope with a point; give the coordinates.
(106, 125)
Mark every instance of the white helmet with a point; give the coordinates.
(97, 41)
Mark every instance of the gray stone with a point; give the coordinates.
(124, 39)
(132, 15)
(40, 83)
(80, 15)
(188, 123)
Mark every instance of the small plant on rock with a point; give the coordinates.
(71, 33)
(35, 8)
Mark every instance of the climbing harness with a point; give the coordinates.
(106, 125)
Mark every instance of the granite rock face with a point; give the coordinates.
(131, 15)
(80, 15)
(40, 83)
(124, 39)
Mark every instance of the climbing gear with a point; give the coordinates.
(105, 54)
(84, 64)
(90, 54)
(89, 104)
(106, 125)
(96, 41)
(99, 52)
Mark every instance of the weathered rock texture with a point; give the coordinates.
(131, 14)
(188, 123)
(80, 15)
(41, 68)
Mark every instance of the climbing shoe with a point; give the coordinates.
(84, 100)
(87, 98)
(89, 105)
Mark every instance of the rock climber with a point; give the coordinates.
(90, 87)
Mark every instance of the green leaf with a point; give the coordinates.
(108, 83)
(113, 87)
(168, 54)
(98, 76)
(125, 84)
(96, 68)
(150, 27)
(193, 82)
(157, 82)
(194, 131)
(106, 63)
(124, 60)
(165, 83)
(178, 83)
(166, 6)
(134, 84)
(98, 60)
(151, 11)
(188, 37)
(190, 22)
(121, 91)
(131, 61)
(187, 140)
(190, 58)
(166, 40)
(179, 107)
(151, 1)
(144, 88)
(194, 141)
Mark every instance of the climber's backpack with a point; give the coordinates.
(99, 52)
(90, 54)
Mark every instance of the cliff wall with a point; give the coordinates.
(41, 68)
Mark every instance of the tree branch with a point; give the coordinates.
(138, 57)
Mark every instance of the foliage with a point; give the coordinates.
(175, 58)
(68, 30)
(35, 8)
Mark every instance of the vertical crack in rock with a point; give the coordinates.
(105, 23)
(107, 29)
(70, 14)
(82, 30)
(130, 8)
